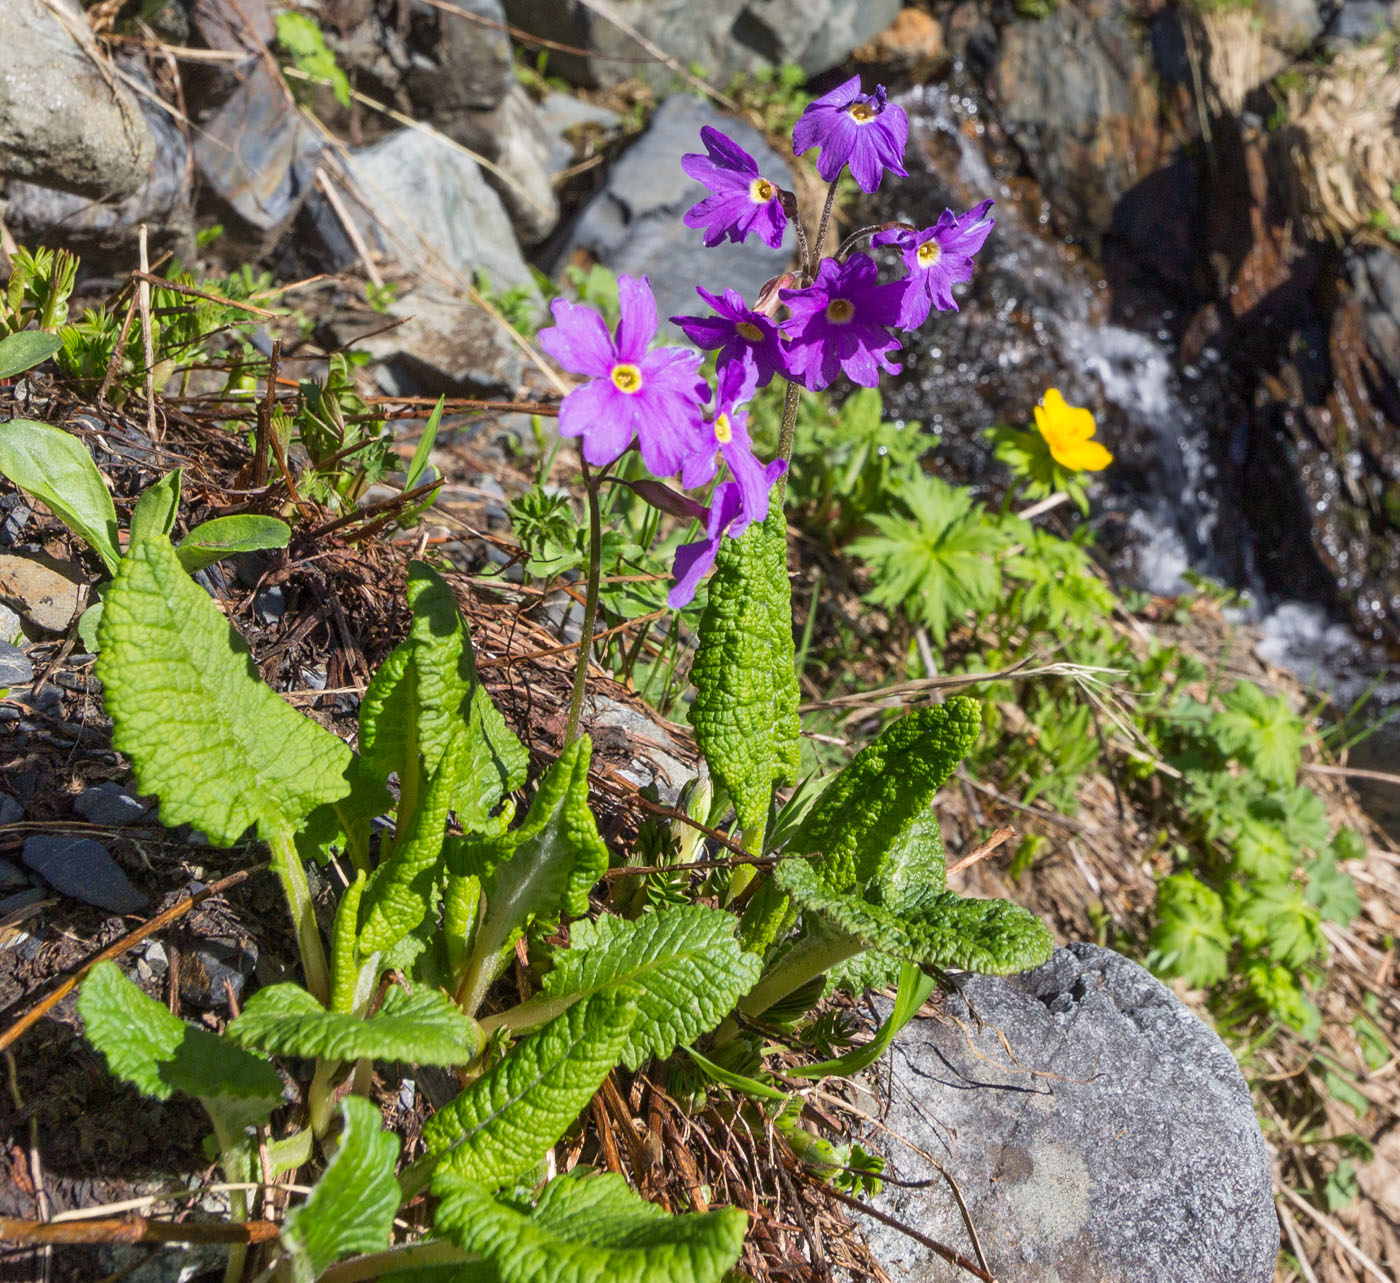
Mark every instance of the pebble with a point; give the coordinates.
(84, 870)
(10, 875)
(45, 591)
(109, 804)
(208, 971)
(11, 812)
(15, 668)
(10, 630)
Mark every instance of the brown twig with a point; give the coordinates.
(133, 1229)
(983, 849)
(265, 408)
(143, 298)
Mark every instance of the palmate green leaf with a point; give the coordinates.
(587, 1228)
(994, 937)
(1190, 938)
(352, 1206)
(502, 1124)
(23, 351)
(1262, 731)
(684, 964)
(159, 1054)
(423, 1028)
(155, 510)
(1331, 890)
(939, 562)
(865, 813)
(745, 709)
(1292, 926)
(222, 537)
(54, 466)
(203, 732)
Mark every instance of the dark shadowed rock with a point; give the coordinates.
(634, 224)
(11, 812)
(109, 804)
(461, 60)
(66, 120)
(1112, 1137)
(15, 668)
(82, 869)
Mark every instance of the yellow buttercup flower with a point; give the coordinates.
(1067, 430)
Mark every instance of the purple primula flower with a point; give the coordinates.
(740, 334)
(861, 130)
(743, 200)
(840, 322)
(726, 516)
(730, 437)
(938, 258)
(655, 398)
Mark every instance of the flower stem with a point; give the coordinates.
(821, 227)
(286, 863)
(590, 604)
(785, 436)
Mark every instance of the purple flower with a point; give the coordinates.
(856, 129)
(740, 334)
(743, 200)
(840, 321)
(938, 258)
(730, 438)
(652, 397)
(726, 516)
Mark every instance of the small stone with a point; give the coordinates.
(155, 957)
(208, 972)
(45, 591)
(9, 624)
(84, 870)
(10, 875)
(20, 900)
(15, 668)
(270, 604)
(11, 812)
(109, 804)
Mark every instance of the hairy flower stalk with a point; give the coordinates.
(590, 605)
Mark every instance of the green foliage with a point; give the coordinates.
(23, 351)
(1190, 939)
(38, 289)
(305, 44)
(345, 442)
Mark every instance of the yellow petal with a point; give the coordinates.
(1081, 456)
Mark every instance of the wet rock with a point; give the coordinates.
(428, 208)
(634, 223)
(1076, 95)
(109, 804)
(723, 37)
(570, 124)
(913, 44)
(82, 869)
(1111, 1136)
(459, 64)
(101, 232)
(257, 158)
(513, 138)
(66, 121)
(11, 812)
(45, 591)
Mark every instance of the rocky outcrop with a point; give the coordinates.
(1095, 1127)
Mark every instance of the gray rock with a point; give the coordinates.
(10, 876)
(459, 63)
(20, 900)
(633, 224)
(66, 120)
(1375, 277)
(1357, 21)
(208, 971)
(567, 121)
(15, 668)
(1296, 23)
(513, 138)
(109, 804)
(1113, 1137)
(11, 812)
(9, 625)
(724, 37)
(45, 591)
(654, 757)
(82, 868)
(427, 207)
(257, 157)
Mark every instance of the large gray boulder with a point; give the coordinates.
(1111, 1136)
(66, 119)
(723, 37)
(633, 224)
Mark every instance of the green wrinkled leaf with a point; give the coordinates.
(203, 732)
(159, 1054)
(222, 537)
(587, 1228)
(865, 813)
(23, 351)
(423, 1028)
(55, 467)
(684, 963)
(501, 1125)
(745, 709)
(155, 510)
(353, 1205)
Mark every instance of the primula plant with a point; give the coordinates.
(839, 885)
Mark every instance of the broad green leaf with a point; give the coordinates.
(745, 709)
(684, 963)
(55, 466)
(155, 510)
(1262, 731)
(23, 351)
(587, 1228)
(501, 1125)
(158, 1053)
(1292, 926)
(914, 989)
(866, 812)
(353, 1205)
(389, 717)
(203, 732)
(994, 937)
(1190, 938)
(211, 541)
(423, 1028)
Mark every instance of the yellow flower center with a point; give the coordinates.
(929, 253)
(748, 330)
(627, 378)
(761, 191)
(861, 113)
(840, 310)
(724, 433)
